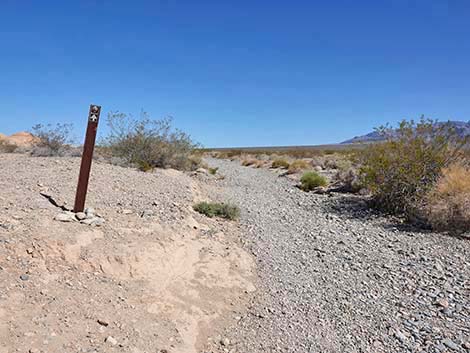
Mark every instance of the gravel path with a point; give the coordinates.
(334, 277)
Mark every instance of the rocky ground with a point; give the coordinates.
(145, 274)
(335, 277)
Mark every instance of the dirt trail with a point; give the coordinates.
(157, 276)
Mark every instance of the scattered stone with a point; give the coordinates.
(450, 344)
(95, 221)
(111, 340)
(400, 336)
(80, 215)
(443, 303)
(147, 213)
(65, 217)
(103, 322)
(225, 342)
(24, 277)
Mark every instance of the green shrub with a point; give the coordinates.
(148, 143)
(213, 171)
(280, 163)
(400, 171)
(311, 180)
(51, 140)
(222, 210)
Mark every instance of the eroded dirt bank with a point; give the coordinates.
(156, 277)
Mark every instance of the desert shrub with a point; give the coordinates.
(311, 180)
(148, 143)
(447, 205)
(222, 210)
(400, 171)
(7, 147)
(260, 164)
(298, 166)
(338, 162)
(249, 162)
(51, 140)
(348, 180)
(213, 171)
(280, 163)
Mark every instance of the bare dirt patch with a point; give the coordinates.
(156, 276)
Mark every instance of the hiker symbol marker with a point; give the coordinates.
(87, 157)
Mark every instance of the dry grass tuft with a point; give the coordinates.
(448, 203)
(7, 147)
(249, 162)
(280, 163)
(298, 166)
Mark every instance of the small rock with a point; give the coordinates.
(202, 171)
(111, 340)
(400, 336)
(442, 302)
(127, 212)
(95, 221)
(24, 277)
(65, 217)
(225, 342)
(103, 322)
(147, 213)
(80, 215)
(450, 344)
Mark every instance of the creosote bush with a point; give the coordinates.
(51, 140)
(222, 210)
(447, 205)
(311, 180)
(280, 163)
(147, 143)
(400, 171)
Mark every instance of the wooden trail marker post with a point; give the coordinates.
(87, 157)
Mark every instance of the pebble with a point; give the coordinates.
(443, 303)
(65, 217)
(80, 215)
(111, 340)
(450, 344)
(103, 322)
(24, 277)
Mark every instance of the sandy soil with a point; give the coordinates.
(156, 277)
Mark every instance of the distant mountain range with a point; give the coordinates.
(461, 127)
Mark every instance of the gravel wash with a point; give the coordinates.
(334, 276)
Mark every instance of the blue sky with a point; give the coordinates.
(236, 73)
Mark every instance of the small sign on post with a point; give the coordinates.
(87, 157)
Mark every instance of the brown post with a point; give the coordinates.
(87, 157)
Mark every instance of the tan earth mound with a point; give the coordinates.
(22, 138)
